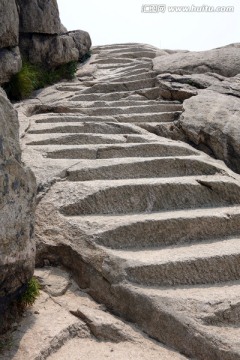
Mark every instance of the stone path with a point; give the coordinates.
(149, 226)
(65, 323)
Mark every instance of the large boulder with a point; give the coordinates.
(10, 63)
(208, 84)
(17, 205)
(224, 61)
(51, 51)
(39, 16)
(82, 41)
(211, 120)
(10, 59)
(9, 23)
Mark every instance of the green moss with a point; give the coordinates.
(34, 77)
(30, 295)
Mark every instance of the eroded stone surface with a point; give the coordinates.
(39, 16)
(144, 223)
(10, 63)
(223, 61)
(211, 119)
(211, 105)
(9, 24)
(82, 41)
(69, 324)
(17, 206)
(49, 50)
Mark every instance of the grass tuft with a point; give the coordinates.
(30, 295)
(34, 77)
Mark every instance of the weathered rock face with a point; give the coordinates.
(49, 50)
(82, 41)
(10, 60)
(224, 61)
(208, 84)
(212, 118)
(17, 195)
(9, 23)
(10, 63)
(44, 40)
(39, 16)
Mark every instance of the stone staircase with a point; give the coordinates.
(149, 225)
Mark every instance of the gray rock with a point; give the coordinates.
(49, 50)
(224, 61)
(71, 323)
(145, 224)
(211, 120)
(17, 188)
(211, 114)
(82, 41)
(39, 16)
(63, 29)
(10, 63)
(9, 23)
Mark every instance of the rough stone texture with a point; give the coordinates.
(224, 61)
(211, 119)
(17, 188)
(10, 63)
(42, 40)
(69, 324)
(10, 60)
(39, 16)
(82, 41)
(211, 104)
(49, 50)
(9, 24)
(149, 226)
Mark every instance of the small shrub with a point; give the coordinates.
(23, 83)
(30, 295)
(34, 77)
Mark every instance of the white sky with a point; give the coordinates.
(116, 21)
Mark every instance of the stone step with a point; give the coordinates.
(110, 111)
(119, 86)
(123, 77)
(142, 168)
(87, 138)
(149, 195)
(146, 65)
(118, 103)
(113, 60)
(145, 93)
(182, 317)
(84, 127)
(114, 151)
(127, 54)
(206, 263)
(162, 229)
(131, 71)
(120, 45)
(128, 49)
(121, 118)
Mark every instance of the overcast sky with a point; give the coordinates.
(116, 21)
